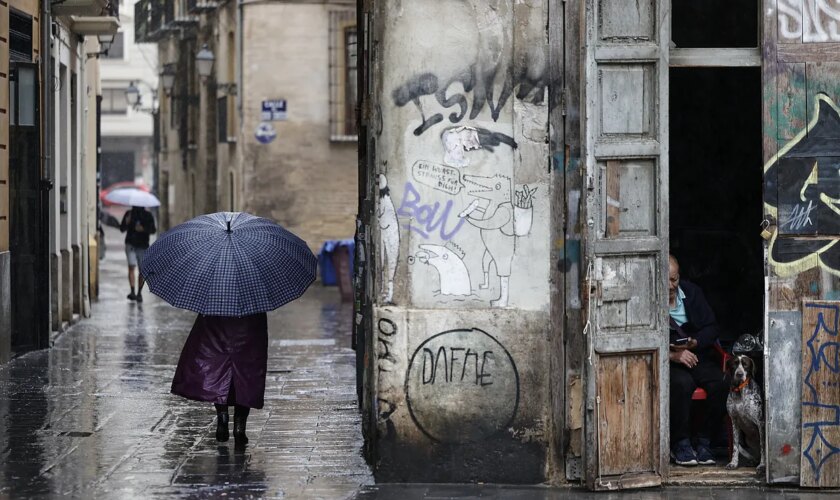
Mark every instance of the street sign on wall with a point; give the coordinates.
(265, 132)
(273, 110)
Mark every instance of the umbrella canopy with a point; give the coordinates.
(132, 197)
(228, 264)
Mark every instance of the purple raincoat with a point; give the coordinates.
(224, 353)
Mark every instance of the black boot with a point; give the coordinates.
(222, 432)
(240, 417)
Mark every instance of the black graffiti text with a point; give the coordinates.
(455, 364)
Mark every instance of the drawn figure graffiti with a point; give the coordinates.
(498, 226)
(802, 190)
(820, 411)
(389, 239)
(449, 262)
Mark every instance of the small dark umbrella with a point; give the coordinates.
(229, 264)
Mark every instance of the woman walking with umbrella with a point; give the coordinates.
(230, 268)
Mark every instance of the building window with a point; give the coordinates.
(117, 50)
(343, 85)
(113, 102)
(20, 36)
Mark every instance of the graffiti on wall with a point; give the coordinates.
(820, 400)
(802, 190)
(462, 386)
(809, 20)
(386, 363)
(389, 239)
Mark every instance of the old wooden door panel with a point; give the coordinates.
(625, 140)
(629, 420)
(820, 458)
(628, 198)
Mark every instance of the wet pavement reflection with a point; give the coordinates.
(92, 417)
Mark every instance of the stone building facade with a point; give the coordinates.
(526, 168)
(219, 148)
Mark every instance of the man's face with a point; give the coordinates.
(673, 278)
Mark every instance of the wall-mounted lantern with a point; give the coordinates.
(204, 62)
(167, 78)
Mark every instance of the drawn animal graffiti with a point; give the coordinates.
(426, 218)
(462, 386)
(448, 260)
(820, 401)
(809, 20)
(389, 239)
(498, 226)
(802, 190)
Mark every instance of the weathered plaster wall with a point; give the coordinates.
(463, 220)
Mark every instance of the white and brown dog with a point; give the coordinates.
(746, 411)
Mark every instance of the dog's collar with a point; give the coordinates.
(741, 386)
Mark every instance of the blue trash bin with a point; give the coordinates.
(325, 260)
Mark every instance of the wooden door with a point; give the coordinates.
(625, 151)
(28, 279)
(801, 120)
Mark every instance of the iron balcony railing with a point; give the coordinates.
(199, 6)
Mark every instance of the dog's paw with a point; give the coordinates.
(731, 466)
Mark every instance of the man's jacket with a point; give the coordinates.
(138, 239)
(701, 324)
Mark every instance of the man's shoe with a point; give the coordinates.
(704, 454)
(683, 453)
(138, 297)
(131, 296)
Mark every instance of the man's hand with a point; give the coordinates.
(684, 356)
(139, 227)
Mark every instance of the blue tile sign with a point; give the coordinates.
(273, 110)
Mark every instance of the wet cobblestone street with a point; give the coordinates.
(92, 417)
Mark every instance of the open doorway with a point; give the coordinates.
(716, 203)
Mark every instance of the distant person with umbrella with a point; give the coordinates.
(231, 268)
(138, 224)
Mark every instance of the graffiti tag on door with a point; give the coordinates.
(802, 190)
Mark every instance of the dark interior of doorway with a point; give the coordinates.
(714, 23)
(715, 191)
(716, 208)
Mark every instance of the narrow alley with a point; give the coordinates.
(92, 417)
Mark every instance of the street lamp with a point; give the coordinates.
(204, 61)
(167, 78)
(132, 95)
(134, 98)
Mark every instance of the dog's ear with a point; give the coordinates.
(730, 364)
(749, 366)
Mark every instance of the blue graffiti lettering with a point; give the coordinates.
(428, 217)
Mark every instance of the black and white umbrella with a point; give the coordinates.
(229, 264)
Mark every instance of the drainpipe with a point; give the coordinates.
(43, 301)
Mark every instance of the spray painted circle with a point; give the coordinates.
(462, 386)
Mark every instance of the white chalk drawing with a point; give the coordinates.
(449, 262)
(439, 177)
(497, 225)
(389, 239)
(456, 141)
(809, 20)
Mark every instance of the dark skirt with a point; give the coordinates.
(224, 361)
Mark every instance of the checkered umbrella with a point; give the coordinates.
(228, 264)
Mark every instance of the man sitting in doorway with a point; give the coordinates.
(694, 363)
